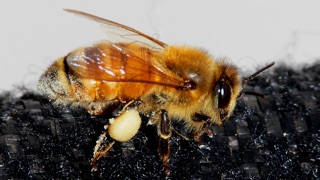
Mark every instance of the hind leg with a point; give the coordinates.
(102, 147)
(121, 129)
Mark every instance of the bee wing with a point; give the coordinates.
(120, 33)
(113, 62)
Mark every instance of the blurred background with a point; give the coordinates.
(248, 33)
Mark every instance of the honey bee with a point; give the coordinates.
(147, 76)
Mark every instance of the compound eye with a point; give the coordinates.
(223, 90)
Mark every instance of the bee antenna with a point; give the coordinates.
(251, 93)
(246, 80)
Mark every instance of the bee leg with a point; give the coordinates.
(128, 119)
(101, 148)
(164, 130)
(181, 135)
(198, 135)
(206, 123)
(130, 104)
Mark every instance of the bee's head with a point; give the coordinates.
(226, 89)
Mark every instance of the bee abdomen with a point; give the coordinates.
(55, 82)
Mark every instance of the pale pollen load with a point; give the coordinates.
(125, 126)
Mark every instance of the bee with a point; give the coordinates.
(148, 77)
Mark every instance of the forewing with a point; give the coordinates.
(116, 63)
(120, 33)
